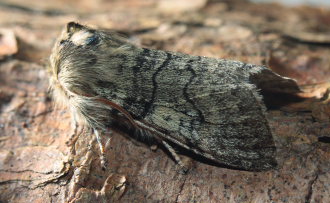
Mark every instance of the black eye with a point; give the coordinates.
(62, 42)
(92, 40)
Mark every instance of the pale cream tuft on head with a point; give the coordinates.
(80, 37)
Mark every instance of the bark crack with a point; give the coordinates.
(28, 170)
(310, 189)
(181, 189)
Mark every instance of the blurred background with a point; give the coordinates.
(254, 32)
(237, 29)
(298, 2)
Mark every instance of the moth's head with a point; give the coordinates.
(80, 55)
(73, 39)
(79, 35)
(75, 35)
(79, 42)
(74, 49)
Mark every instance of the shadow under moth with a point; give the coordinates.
(211, 107)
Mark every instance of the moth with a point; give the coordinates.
(211, 107)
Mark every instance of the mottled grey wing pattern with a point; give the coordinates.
(203, 102)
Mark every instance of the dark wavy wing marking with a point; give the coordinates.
(148, 105)
(236, 135)
(200, 103)
(225, 122)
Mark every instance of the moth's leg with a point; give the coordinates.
(153, 147)
(107, 143)
(175, 156)
(103, 148)
(74, 123)
(74, 135)
(99, 141)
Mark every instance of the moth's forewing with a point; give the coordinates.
(203, 104)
